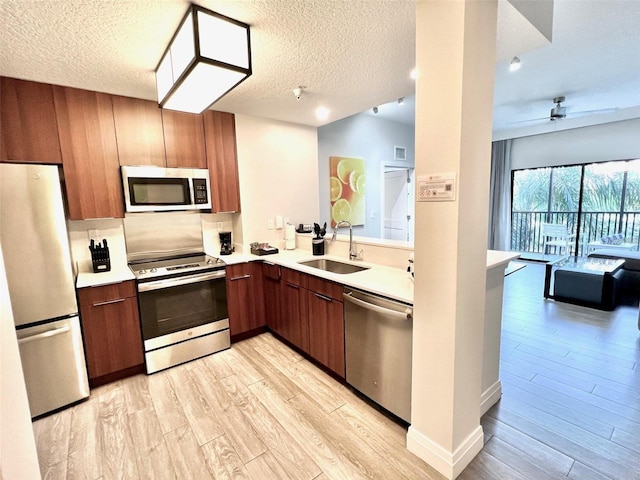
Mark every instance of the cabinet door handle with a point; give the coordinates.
(240, 278)
(109, 302)
(293, 285)
(327, 299)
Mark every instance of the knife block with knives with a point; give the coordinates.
(100, 256)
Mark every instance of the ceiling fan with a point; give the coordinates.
(558, 112)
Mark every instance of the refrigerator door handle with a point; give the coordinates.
(47, 334)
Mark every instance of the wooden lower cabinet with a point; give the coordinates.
(111, 331)
(326, 324)
(293, 308)
(272, 285)
(244, 297)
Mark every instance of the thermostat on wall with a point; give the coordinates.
(437, 187)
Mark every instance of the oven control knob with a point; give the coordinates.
(210, 261)
(154, 270)
(142, 272)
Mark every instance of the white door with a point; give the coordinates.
(398, 207)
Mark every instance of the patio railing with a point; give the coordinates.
(526, 228)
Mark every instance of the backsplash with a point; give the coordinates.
(112, 230)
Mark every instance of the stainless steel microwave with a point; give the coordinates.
(158, 189)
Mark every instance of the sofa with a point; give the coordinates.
(629, 288)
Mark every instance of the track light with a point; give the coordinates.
(515, 64)
(375, 109)
(400, 100)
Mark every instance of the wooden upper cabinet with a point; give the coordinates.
(184, 139)
(28, 129)
(222, 159)
(139, 131)
(89, 153)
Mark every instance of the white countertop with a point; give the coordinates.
(387, 281)
(497, 258)
(382, 280)
(117, 274)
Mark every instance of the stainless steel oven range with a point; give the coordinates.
(182, 296)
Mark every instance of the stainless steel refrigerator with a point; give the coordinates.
(35, 247)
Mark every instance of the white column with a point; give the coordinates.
(455, 56)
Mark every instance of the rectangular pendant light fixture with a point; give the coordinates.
(209, 55)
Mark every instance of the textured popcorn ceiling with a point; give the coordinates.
(351, 54)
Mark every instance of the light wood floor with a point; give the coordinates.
(570, 409)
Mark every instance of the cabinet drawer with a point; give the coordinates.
(326, 288)
(291, 277)
(239, 271)
(271, 270)
(106, 293)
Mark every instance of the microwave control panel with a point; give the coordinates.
(200, 191)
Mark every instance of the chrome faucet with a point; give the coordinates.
(353, 255)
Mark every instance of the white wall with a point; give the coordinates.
(278, 169)
(370, 138)
(597, 143)
(18, 457)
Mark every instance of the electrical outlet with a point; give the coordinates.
(93, 234)
(270, 224)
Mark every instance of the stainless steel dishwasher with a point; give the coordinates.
(378, 337)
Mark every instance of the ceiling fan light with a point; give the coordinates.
(209, 55)
(515, 64)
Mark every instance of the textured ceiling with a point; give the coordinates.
(350, 54)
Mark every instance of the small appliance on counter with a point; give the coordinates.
(100, 256)
(304, 228)
(226, 245)
(317, 244)
(262, 249)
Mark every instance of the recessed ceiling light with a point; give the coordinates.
(322, 113)
(414, 74)
(515, 64)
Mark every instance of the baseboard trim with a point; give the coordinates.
(449, 464)
(490, 397)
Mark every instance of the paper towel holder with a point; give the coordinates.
(290, 237)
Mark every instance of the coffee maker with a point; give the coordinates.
(226, 247)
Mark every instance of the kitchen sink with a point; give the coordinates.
(333, 266)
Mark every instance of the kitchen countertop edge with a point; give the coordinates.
(115, 275)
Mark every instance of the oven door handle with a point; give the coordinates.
(175, 282)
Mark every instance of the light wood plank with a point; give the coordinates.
(520, 461)
(313, 382)
(136, 393)
(152, 455)
(202, 419)
(52, 436)
(118, 451)
(367, 432)
(284, 448)
(85, 441)
(238, 429)
(547, 456)
(487, 467)
(165, 402)
(369, 463)
(186, 455)
(223, 461)
(266, 467)
(322, 451)
(241, 367)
